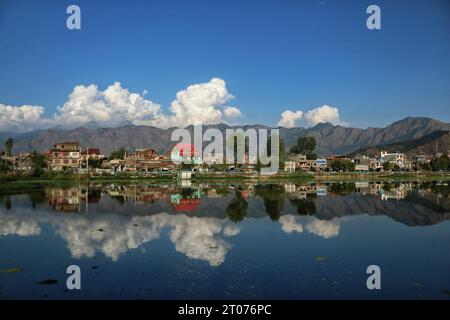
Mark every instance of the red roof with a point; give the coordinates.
(185, 149)
(93, 151)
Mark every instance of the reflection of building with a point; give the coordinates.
(65, 200)
(302, 191)
(140, 193)
(65, 155)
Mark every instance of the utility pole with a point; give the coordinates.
(87, 160)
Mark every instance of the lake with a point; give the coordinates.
(291, 240)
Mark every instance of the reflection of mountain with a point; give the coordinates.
(412, 211)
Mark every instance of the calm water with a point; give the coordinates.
(232, 241)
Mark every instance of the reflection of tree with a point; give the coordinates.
(305, 207)
(6, 201)
(36, 197)
(273, 196)
(187, 193)
(342, 188)
(237, 209)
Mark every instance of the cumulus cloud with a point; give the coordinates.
(311, 117)
(113, 105)
(323, 114)
(205, 103)
(288, 118)
(14, 118)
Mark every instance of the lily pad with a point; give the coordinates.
(11, 270)
(321, 258)
(48, 281)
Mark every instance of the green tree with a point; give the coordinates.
(9, 143)
(38, 164)
(305, 145)
(118, 154)
(441, 163)
(342, 165)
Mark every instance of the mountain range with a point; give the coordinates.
(437, 141)
(330, 139)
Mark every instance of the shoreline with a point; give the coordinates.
(320, 177)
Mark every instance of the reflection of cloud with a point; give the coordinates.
(113, 235)
(289, 224)
(18, 225)
(323, 228)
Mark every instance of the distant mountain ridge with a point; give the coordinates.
(437, 141)
(330, 139)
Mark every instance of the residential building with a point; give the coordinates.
(375, 165)
(395, 158)
(289, 166)
(147, 160)
(362, 163)
(18, 162)
(65, 155)
(185, 153)
(91, 153)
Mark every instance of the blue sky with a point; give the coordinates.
(273, 55)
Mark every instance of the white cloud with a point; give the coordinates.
(288, 118)
(312, 117)
(13, 118)
(232, 112)
(323, 114)
(205, 103)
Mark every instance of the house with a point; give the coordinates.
(289, 166)
(65, 155)
(375, 165)
(362, 163)
(147, 160)
(395, 158)
(91, 153)
(18, 162)
(185, 153)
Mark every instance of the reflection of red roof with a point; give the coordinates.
(187, 205)
(185, 149)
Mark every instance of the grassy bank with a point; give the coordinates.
(64, 179)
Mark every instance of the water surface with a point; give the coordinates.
(232, 241)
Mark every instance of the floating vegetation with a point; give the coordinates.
(11, 270)
(48, 281)
(320, 258)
